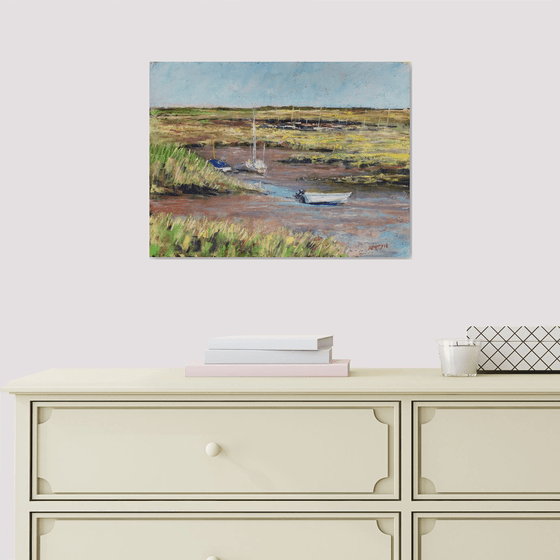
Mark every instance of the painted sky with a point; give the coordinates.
(253, 84)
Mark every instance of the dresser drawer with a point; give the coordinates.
(230, 450)
(225, 537)
(498, 536)
(484, 450)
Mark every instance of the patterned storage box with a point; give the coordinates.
(518, 348)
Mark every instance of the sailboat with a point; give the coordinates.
(255, 165)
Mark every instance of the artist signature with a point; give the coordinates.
(379, 246)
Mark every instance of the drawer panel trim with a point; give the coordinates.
(487, 450)
(228, 450)
(499, 536)
(146, 536)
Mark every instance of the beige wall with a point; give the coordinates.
(78, 288)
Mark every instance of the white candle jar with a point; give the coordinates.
(459, 356)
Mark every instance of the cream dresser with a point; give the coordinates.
(145, 464)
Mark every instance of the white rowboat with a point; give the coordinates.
(322, 198)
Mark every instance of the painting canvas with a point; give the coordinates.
(280, 159)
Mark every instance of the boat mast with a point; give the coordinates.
(254, 139)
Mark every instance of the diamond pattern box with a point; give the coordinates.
(518, 348)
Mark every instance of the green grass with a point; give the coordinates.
(174, 169)
(201, 237)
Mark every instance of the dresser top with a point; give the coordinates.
(138, 381)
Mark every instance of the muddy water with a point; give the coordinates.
(375, 222)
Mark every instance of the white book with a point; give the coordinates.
(270, 342)
(323, 356)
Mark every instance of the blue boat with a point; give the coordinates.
(220, 165)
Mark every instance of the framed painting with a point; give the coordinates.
(280, 159)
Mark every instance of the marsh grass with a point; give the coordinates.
(360, 159)
(201, 237)
(174, 169)
(356, 137)
(396, 180)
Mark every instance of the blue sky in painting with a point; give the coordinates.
(254, 84)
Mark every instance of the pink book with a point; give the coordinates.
(337, 368)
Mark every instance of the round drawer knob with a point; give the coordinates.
(212, 558)
(212, 449)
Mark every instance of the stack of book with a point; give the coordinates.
(269, 356)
